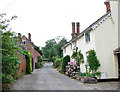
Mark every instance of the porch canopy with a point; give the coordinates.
(117, 51)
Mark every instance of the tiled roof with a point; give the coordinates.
(31, 43)
(91, 27)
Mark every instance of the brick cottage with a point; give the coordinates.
(29, 46)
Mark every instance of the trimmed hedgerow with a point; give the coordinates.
(66, 59)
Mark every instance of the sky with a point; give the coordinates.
(47, 19)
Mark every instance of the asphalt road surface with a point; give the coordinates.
(47, 78)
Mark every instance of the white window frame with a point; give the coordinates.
(23, 42)
(75, 44)
(71, 46)
(87, 37)
(65, 50)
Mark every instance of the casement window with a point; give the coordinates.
(23, 42)
(87, 37)
(64, 50)
(71, 46)
(75, 44)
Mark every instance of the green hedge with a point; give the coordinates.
(39, 59)
(57, 63)
(38, 65)
(66, 59)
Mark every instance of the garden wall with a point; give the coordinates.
(23, 64)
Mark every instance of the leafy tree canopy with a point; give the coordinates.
(53, 47)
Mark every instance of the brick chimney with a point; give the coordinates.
(29, 36)
(107, 3)
(73, 30)
(78, 28)
(19, 35)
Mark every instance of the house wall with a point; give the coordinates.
(104, 39)
(115, 13)
(30, 48)
(118, 24)
(36, 54)
(68, 51)
(85, 47)
(105, 44)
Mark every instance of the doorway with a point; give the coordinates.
(32, 64)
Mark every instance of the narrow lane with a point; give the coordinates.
(47, 78)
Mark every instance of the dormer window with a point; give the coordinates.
(23, 42)
(87, 37)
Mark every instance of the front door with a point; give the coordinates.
(119, 65)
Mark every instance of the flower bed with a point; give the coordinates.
(72, 69)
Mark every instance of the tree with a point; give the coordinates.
(39, 59)
(52, 53)
(93, 62)
(10, 51)
(62, 42)
(53, 47)
(46, 50)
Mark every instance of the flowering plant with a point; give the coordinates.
(72, 69)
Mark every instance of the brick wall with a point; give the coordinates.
(23, 64)
(36, 54)
(30, 48)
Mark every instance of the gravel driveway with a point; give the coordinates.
(47, 78)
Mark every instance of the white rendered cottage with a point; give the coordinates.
(102, 36)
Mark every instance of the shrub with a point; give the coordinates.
(59, 68)
(54, 58)
(80, 74)
(72, 69)
(39, 59)
(57, 63)
(92, 60)
(96, 73)
(66, 59)
(41, 65)
(37, 65)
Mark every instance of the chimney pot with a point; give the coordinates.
(29, 36)
(73, 27)
(19, 35)
(107, 3)
(73, 30)
(78, 28)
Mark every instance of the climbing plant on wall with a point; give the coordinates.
(28, 57)
(93, 61)
(78, 56)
